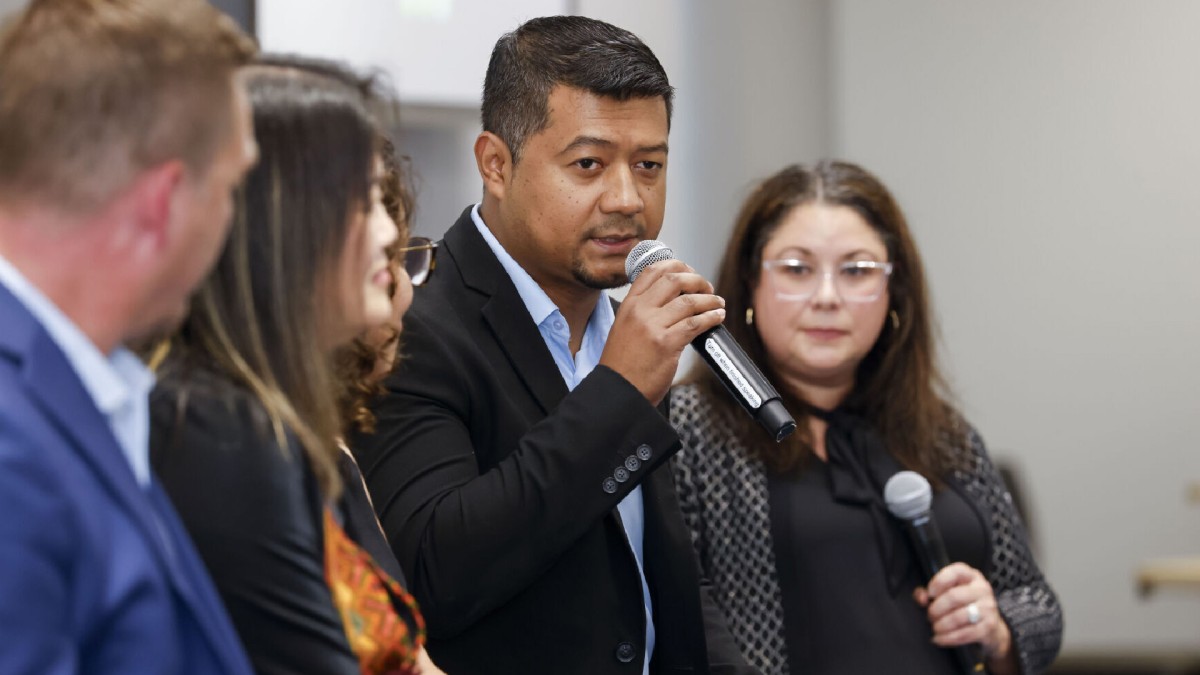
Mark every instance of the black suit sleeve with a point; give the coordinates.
(474, 525)
(254, 513)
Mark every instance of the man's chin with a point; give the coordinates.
(162, 327)
(602, 282)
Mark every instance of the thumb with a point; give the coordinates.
(921, 596)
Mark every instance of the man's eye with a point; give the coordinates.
(587, 163)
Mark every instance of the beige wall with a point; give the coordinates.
(1047, 154)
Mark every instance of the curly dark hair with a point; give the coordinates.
(357, 362)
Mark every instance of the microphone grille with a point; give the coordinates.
(908, 495)
(644, 254)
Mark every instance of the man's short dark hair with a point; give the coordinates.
(574, 51)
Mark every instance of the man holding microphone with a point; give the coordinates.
(518, 467)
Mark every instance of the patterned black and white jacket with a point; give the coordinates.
(723, 493)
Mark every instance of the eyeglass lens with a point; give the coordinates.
(855, 281)
(418, 259)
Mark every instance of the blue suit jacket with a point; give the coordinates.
(96, 573)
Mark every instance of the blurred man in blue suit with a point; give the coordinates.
(124, 130)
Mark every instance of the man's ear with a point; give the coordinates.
(155, 199)
(494, 162)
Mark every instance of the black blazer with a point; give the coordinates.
(497, 489)
(256, 514)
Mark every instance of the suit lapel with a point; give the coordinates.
(505, 313)
(527, 351)
(56, 389)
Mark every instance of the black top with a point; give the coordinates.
(847, 569)
(255, 513)
(726, 501)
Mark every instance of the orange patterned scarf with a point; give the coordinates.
(368, 601)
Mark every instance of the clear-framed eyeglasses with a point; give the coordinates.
(420, 258)
(853, 281)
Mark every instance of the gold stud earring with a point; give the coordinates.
(895, 319)
(749, 316)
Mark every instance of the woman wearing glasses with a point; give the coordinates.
(362, 364)
(245, 420)
(825, 291)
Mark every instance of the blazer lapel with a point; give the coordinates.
(505, 313)
(56, 389)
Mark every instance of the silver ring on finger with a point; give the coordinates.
(973, 614)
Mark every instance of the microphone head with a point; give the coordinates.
(644, 254)
(908, 495)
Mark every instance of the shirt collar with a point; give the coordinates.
(111, 381)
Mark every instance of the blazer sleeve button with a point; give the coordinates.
(609, 485)
(625, 652)
(621, 474)
(632, 463)
(643, 452)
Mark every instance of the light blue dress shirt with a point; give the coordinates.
(554, 330)
(119, 383)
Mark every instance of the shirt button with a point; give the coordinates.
(643, 452)
(625, 652)
(632, 463)
(621, 474)
(609, 485)
(559, 326)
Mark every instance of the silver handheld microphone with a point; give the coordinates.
(723, 354)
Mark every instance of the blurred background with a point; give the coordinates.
(1047, 154)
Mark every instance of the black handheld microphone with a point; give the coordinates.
(719, 350)
(909, 498)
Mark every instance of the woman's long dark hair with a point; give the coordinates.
(256, 319)
(898, 385)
